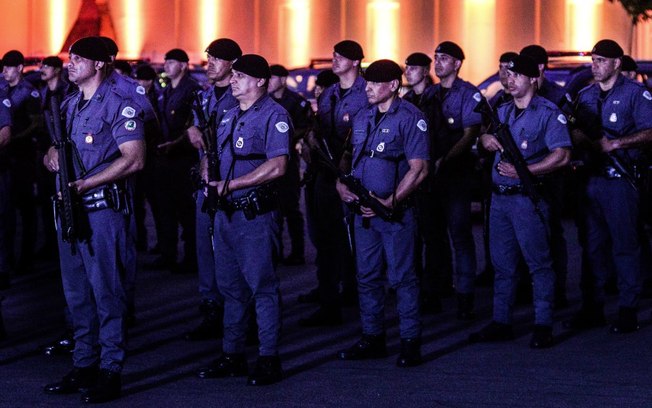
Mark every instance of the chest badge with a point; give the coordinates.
(613, 118)
(451, 121)
(346, 117)
(89, 139)
(239, 143)
(524, 145)
(381, 147)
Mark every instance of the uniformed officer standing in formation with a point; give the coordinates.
(338, 105)
(630, 67)
(432, 256)
(289, 185)
(390, 158)
(217, 100)
(253, 147)
(23, 101)
(453, 166)
(517, 225)
(176, 156)
(613, 124)
(106, 129)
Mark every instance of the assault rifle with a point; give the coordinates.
(212, 200)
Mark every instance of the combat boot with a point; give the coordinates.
(79, 378)
(211, 326)
(64, 345)
(494, 331)
(267, 371)
(627, 321)
(465, 306)
(410, 355)
(108, 388)
(590, 315)
(369, 346)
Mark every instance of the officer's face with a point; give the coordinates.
(12, 74)
(446, 65)
(379, 92)
(604, 68)
(502, 73)
(629, 74)
(415, 74)
(173, 68)
(342, 65)
(519, 85)
(243, 85)
(275, 83)
(48, 72)
(217, 69)
(80, 69)
(145, 83)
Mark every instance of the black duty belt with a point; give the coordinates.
(112, 196)
(503, 189)
(257, 202)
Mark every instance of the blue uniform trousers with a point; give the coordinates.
(611, 218)
(204, 246)
(391, 245)
(245, 271)
(515, 228)
(93, 283)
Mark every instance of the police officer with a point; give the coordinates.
(176, 158)
(453, 164)
(338, 105)
(7, 215)
(517, 225)
(502, 95)
(290, 190)
(23, 101)
(390, 158)
(437, 254)
(253, 142)
(630, 67)
(545, 87)
(217, 100)
(106, 130)
(614, 123)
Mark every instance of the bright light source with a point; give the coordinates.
(58, 16)
(582, 23)
(479, 37)
(382, 29)
(209, 19)
(294, 32)
(131, 40)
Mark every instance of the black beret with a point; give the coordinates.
(349, 49)
(537, 53)
(419, 59)
(278, 70)
(224, 49)
(607, 49)
(450, 48)
(91, 48)
(177, 54)
(110, 45)
(53, 61)
(525, 65)
(383, 70)
(145, 72)
(252, 65)
(326, 78)
(507, 56)
(628, 64)
(13, 58)
(123, 66)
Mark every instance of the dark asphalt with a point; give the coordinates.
(589, 369)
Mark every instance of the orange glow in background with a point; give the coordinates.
(294, 32)
(209, 15)
(58, 16)
(382, 30)
(583, 23)
(130, 32)
(479, 37)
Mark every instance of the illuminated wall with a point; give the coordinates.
(294, 31)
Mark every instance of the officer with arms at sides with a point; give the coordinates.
(390, 158)
(517, 225)
(613, 125)
(106, 129)
(253, 142)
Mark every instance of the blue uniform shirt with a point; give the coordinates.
(210, 103)
(381, 152)
(552, 92)
(23, 100)
(136, 92)
(297, 106)
(175, 106)
(104, 122)
(538, 130)
(252, 137)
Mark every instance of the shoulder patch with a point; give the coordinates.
(130, 125)
(477, 97)
(140, 89)
(562, 118)
(128, 112)
(6, 102)
(422, 125)
(647, 95)
(282, 127)
(35, 94)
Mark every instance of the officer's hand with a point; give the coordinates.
(367, 212)
(387, 202)
(506, 169)
(51, 160)
(195, 138)
(79, 186)
(164, 148)
(219, 185)
(345, 194)
(607, 145)
(490, 143)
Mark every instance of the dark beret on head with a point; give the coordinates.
(91, 48)
(450, 48)
(123, 66)
(13, 58)
(418, 59)
(629, 64)
(326, 78)
(52, 61)
(383, 70)
(177, 54)
(253, 65)
(607, 49)
(145, 72)
(349, 49)
(507, 56)
(278, 70)
(537, 53)
(224, 49)
(525, 65)
(110, 45)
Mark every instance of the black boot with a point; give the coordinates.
(494, 331)
(541, 337)
(627, 321)
(590, 315)
(78, 379)
(410, 355)
(211, 326)
(227, 365)
(267, 371)
(369, 346)
(108, 387)
(465, 306)
(62, 346)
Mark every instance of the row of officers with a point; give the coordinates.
(387, 190)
